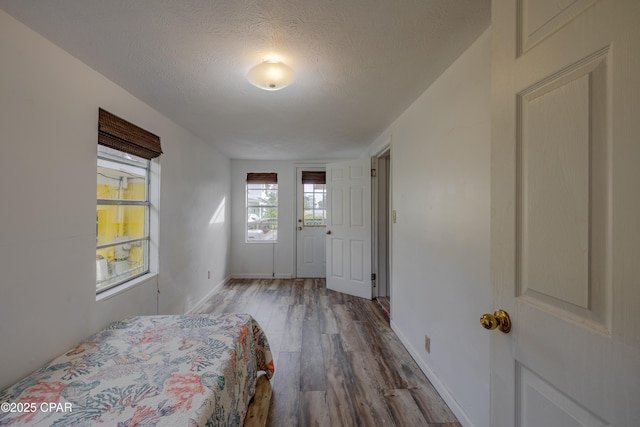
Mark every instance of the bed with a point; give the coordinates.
(192, 370)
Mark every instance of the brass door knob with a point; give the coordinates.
(499, 319)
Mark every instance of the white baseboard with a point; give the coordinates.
(208, 296)
(260, 276)
(437, 384)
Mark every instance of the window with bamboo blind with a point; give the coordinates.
(262, 207)
(123, 200)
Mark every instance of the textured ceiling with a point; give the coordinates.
(359, 63)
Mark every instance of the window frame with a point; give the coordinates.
(247, 207)
(104, 155)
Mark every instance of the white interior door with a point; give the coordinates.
(311, 226)
(566, 212)
(348, 234)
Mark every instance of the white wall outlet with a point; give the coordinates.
(393, 216)
(427, 343)
(208, 274)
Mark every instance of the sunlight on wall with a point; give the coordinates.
(218, 215)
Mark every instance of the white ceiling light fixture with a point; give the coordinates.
(271, 75)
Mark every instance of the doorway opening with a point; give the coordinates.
(382, 212)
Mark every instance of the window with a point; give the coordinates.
(122, 218)
(262, 207)
(123, 201)
(314, 194)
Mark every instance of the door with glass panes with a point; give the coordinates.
(311, 222)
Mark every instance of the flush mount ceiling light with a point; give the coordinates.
(271, 75)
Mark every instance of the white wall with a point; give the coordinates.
(440, 243)
(194, 222)
(48, 120)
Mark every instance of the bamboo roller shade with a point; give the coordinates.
(119, 134)
(262, 178)
(309, 177)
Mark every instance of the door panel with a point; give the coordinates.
(541, 404)
(538, 19)
(336, 267)
(308, 254)
(336, 196)
(564, 186)
(564, 242)
(357, 261)
(349, 227)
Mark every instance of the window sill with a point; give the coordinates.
(110, 293)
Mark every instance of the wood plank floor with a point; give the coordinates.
(338, 363)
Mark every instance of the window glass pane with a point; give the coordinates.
(314, 205)
(270, 195)
(117, 264)
(121, 182)
(259, 235)
(117, 223)
(308, 201)
(254, 197)
(262, 212)
(121, 157)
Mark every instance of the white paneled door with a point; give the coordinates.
(565, 239)
(348, 233)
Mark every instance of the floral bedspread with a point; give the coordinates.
(193, 370)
